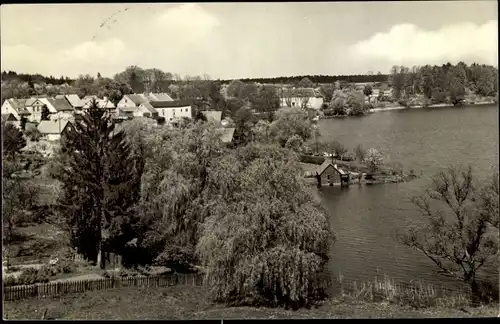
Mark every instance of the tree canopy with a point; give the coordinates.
(266, 239)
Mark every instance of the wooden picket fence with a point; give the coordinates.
(68, 287)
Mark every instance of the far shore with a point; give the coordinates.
(482, 103)
(430, 106)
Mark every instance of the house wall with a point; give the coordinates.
(312, 102)
(177, 112)
(8, 109)
(141, 111)
(36, 112)
(63, 115)
(330, 175)
(126, 103)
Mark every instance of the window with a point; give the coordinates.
(328, 177)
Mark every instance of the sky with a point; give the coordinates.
(245, 40)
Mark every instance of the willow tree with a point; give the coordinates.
(100, 180)
(266, 240)
(172, 201)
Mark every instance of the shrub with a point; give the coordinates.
(403, 102)
(373, 159)
(396, 168)
(28, 277)
(360, 152)
(66, 266)
(41, 213)
(145, 271)
(33, 134)
(106, 274)
(44, 273)
(349, 157)
(312, 159)
(124, 273)
(10, 281)
(295, 143)
(12, 269)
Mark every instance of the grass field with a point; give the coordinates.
(181, 302)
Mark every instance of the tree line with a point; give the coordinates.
(319, 79)
(35, 78)
(446, 82)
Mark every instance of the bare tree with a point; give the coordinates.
(457, 239)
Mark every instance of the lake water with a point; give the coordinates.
(367, 218)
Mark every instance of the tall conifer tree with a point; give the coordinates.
(101, 182)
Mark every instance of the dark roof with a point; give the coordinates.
(137, 98)
(325, 165)
(60, 104)
(170, 104)
(299, 93)
(19, 105)
(8, 117)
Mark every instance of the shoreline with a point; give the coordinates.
(374, 110)
(429, 106)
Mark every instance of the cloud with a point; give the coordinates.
(107, 51)
(166, 39)
(407, 44)
(186, 23)
(107, 56)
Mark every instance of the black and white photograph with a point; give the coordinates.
(250, 160)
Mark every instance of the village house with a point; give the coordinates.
(329, 173)
(52, 130)
(145, 109)
(172, 110)
(74, 100)
(104, 103)
(300, 97)
(135, 100)
(57, 109)
(16, 108)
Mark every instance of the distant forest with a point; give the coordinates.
(358, 78)
(35, 78)
(38, 78)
